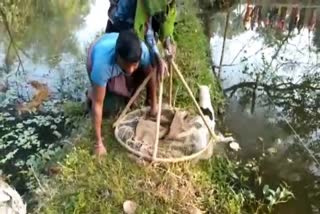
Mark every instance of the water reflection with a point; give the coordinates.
(283, 17)
(41, 29)
(46, 42)
(270, 70)
(264, 65)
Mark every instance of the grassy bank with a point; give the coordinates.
(85, 185)
(193, 57)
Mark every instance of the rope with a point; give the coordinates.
(296, 135)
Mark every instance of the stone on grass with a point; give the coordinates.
(10, 200)
(129, 207)
(234, 146)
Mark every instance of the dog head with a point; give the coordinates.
(205, 101)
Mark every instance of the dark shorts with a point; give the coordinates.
(114, 103)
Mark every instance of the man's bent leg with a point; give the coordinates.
(113, 104)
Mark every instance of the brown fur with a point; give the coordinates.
(41, 95)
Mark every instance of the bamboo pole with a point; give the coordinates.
(224, 43)
(193, 99)
(136, 94)
(170, 87)
(156, 143)
(175, 97)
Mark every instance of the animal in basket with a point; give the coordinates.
(201, 136)
(198, 135)
(195, 133)
(206, 106)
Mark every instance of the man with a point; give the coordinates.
(147, 18)
(117, 64)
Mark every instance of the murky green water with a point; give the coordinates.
(44, 42)
(270, 67)
(50, 39)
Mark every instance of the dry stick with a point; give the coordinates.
(170, 87)
(214, 136)
(136, 94)
(243, 47)
(155, 148)
(37, 179)
(175, 97)
(254, 95)
(223, 44)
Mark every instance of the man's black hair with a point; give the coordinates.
(128, 46)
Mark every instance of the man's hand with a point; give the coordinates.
(152, 92)
(170, 49)
(162, 69)
(97, 96)
(99, 148)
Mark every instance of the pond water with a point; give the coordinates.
(42, 56)
(270, 70)
(270, 66)
(52, 45)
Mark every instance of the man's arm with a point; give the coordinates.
(146, 63)
(152, 90)
(157, 60)
(98, 95)
(150, 38)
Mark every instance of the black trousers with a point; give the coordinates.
(117, 27)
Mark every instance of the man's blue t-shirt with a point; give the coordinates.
(103, 58)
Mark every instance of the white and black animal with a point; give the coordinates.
(205, 105)
(199, 136)
(202, 135)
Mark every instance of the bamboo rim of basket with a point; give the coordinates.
(149, 157)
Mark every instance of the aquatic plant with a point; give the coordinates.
(29, 141)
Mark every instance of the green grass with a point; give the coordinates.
(93, 186)
(87, 185)
(193, 57)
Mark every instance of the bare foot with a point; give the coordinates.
(151, 116)
(100, 150)
(153, 111)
